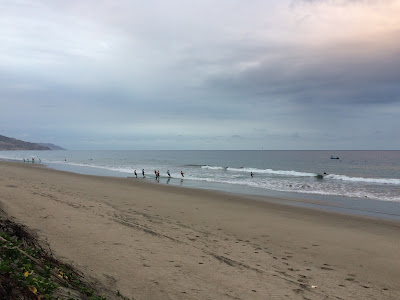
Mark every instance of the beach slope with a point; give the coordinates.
(152, 241)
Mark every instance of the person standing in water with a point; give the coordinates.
(135, 173)
(143, 173)
(182, 174)
(168, 173)
(251, 174)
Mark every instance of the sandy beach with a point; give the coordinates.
(153, 241)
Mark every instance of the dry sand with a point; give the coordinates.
(152, 241)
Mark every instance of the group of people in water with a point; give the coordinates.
(156, 173)
(32, 161)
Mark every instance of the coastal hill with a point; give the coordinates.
(7, 143)
(51, 146)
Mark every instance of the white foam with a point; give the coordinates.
(275, 172)
(212, 168)
(292, 173)
(304, 188)
(120, 169)
(394, 181)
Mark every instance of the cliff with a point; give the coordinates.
(7, 143)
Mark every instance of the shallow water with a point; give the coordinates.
(359, 182)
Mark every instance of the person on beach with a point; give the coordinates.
(182, 174)
(143, 173)
(33, 160)
(158, 174)
(135, 173)
(168, 173)
(155, 173)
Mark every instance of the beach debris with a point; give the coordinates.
(314, 286)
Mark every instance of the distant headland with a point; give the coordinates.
(7, 143)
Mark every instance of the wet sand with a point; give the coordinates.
(153, 241)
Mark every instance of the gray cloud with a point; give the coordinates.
(366, 76)
(261, 74)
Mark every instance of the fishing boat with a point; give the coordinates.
(334, 157)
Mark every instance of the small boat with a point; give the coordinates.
(334, 157)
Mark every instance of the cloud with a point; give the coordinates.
(346, 73)
(233, 74)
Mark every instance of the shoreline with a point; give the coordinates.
(376, 200)
(370, 208)
(308, 201)
(182, 243)
(338, 204)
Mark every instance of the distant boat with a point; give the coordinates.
(334, 157)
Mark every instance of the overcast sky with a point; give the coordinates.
(226, 74)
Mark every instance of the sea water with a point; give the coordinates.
(358, 182)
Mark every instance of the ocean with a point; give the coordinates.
(357, 182)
